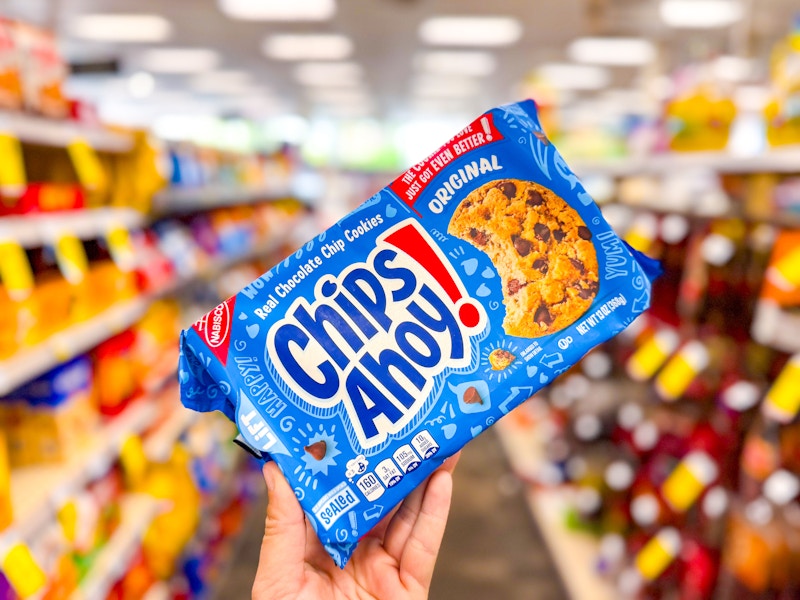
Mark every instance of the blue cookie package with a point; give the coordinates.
(386, 343)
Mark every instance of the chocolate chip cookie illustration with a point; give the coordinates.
(541, 248)
(501, 359)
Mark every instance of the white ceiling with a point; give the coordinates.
(386, 40)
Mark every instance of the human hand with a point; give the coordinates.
(393, 561)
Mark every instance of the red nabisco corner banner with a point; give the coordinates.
(411, 184)
(215, 329)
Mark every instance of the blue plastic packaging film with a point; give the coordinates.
(386, 343)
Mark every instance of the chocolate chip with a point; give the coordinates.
(478, 236)
(317, 449)
(542, 316)
(541, 231)
(534, 198)
(589, 291)
(513, 286)
(578, 265)
(471, 396)
(521, 245)
(559, 234)
(508, 188)
(584, 233)
(541, 264)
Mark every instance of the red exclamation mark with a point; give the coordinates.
(411, 241)
(487, 128)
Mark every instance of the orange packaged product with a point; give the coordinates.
(115, 373)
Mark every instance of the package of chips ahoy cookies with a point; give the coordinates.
(386, 343)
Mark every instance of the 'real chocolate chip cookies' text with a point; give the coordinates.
(471, 281)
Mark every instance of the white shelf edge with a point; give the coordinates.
(176, 200)
(572, 552)
(36, 490)
(137, 512)
(158, 444)
(44, 228)
(54, 132)
(783, 160)
(66, 344)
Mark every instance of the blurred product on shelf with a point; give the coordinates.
(782, 113)
(49, 418)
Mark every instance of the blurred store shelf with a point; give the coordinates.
(39, 229)
(37, 491)
(66, 344)
(51, 132)
(574, 553)
(182, 200)
(160, 441)
(137, 512)
(775, 161)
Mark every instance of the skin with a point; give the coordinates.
(395, 560)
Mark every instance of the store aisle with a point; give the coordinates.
(491, 548)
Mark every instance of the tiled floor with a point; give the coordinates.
(491, 550)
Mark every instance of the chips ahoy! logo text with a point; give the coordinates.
(375, 336)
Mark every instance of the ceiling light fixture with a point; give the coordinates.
(700, 14)
(612, 51)
(141, 84)
(121, 27)
(733, 68)
(574, 77)
(445, 87)
(476, 64)
(333, 74)
(323, 46)
(178, 60)
(278, 10)
(471, 31)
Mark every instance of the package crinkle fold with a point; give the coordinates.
(385, 344)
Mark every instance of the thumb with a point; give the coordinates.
(280, 563)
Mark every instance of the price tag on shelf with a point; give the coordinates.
(15, 270)
(71, 258)
(12, 167)
(121, 248)
(88, 167)
(22, 571)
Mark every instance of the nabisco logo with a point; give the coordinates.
(215, 328)
(218, 331)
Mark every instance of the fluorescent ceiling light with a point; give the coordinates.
(477, 64)
(618, 51)
(216, 81)
(278, 10)
(323, 46)
(733, 68)
(574, 77)
(121, 28)
(700, 14)
(178, 60)
(141, 84)
(339, 95)
(445, 87)
(470, 31)
(336, 74)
